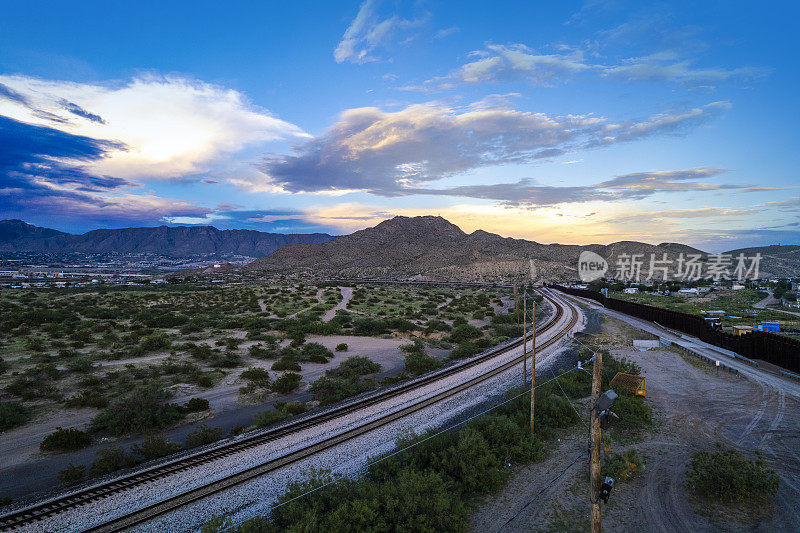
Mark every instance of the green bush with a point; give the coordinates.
(13, 414)
(203, 435)
(267, 418)
(634, 413)
(87, 398)
(72, 474)
(293, 408)
(417, 362)
(256, 376)
(65, 440)
(341, 347)
(464, 333)
(287, 383)
(329, 389)
(142, 410)
(155, 341)
(315, 353)
(465, 349)
(195, 405)
(726, 475)
(622, 467)
(110, 460)
(5, 366)
(155, 448)
(354, 367)
(286, 363)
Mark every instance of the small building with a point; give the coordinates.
(630, 290)
(737, 287)
(772, 327)
(692, 291)
(741, 330)
(714, 313)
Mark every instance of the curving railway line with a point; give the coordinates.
(29, 516)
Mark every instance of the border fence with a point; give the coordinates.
(775, 349)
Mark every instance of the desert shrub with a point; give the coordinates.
(72, 474)
(110, 460)
(287, 383)
(465, 349)
(419, 362)
(32, 386)
(260, 352)
(328, 389)
(634, 413)
(315, 353)
(155, 341)
(293, 408)
(155, 448)
(267, 418)
(622, 466)
(13, 414)
(65, 440)
(726, 475)
(195, 405)
(143, 409)
(228, 360)
(464, 333)
(80, 364)
(5, 366)
(257, 376)
(368, 327)
(87, 398)
(203, 435)
(286, 363)
(341, 347)
(354, 367)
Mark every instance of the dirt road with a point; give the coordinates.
(695, 406)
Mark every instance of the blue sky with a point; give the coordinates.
(560, 122)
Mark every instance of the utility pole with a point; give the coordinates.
(524, 337)
(533, 362)
(594, 461)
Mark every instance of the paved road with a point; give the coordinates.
(783, 384)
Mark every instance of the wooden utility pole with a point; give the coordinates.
(533, 362)
(594, 461)
(524, 337)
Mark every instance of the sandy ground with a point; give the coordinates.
(23, 468)
(695, 407)
(347, 295)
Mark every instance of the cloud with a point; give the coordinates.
(668, 67)
(641, 184)
(367, 32)
(517, 62)
(678, 214)
(77, 110)
(43, 171)
(402, 152)
(171, 126)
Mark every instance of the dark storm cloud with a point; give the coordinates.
(77, 110)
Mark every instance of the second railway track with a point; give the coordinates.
(30, 515)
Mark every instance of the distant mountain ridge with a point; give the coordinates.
(431, 247)
(179, 241)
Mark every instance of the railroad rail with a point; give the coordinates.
(47, 508)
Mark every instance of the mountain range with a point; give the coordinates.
(430, 247)
(426, 247)
(18, 236)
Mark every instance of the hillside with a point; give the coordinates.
(778, 260)
(433, 248)
(17, 236)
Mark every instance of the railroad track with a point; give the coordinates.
(30, 515)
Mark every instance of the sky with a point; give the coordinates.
(570, 122)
